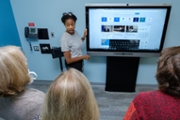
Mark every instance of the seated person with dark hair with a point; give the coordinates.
(164, 103)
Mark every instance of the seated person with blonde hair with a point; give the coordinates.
(164, 103)
(16, 101)
(70, 97)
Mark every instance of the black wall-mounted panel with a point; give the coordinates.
(45, 48)
(43, 33)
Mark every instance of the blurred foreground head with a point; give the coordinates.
(168, 71)
(70, 97)
(13, 71)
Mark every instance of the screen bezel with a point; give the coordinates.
(128, 53)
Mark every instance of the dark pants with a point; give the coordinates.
(77, 65)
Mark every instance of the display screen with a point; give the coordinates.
(32, 30)
(126, 30)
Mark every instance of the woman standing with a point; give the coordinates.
(71, 43)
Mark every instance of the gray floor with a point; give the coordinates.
(112, 105)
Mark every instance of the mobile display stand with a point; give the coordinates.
(121, 73)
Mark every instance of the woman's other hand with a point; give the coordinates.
(87, 57)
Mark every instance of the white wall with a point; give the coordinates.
(47, 14)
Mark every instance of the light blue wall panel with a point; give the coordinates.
(47, 13)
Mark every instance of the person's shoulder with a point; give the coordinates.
(34, 92)
(65, 36)
(142, 96)
(34, 98)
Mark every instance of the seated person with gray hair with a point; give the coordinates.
(16, 101)
(70, 97)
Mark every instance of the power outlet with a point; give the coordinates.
(36, 48)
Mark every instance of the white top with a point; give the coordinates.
(72, 43)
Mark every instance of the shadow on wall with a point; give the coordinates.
(149, 61)
(97, 59)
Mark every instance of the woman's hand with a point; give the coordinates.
(85, 34)
(87, 57)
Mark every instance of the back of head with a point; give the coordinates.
(70, 97)
(13, 71)
(168, 71)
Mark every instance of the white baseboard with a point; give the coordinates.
(92, 83)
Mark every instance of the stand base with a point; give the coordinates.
(121, 74)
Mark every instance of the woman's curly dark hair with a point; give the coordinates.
(68, 15)
(168, 71)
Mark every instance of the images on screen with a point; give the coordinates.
(133, 29)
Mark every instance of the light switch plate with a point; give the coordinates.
(36, 48)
